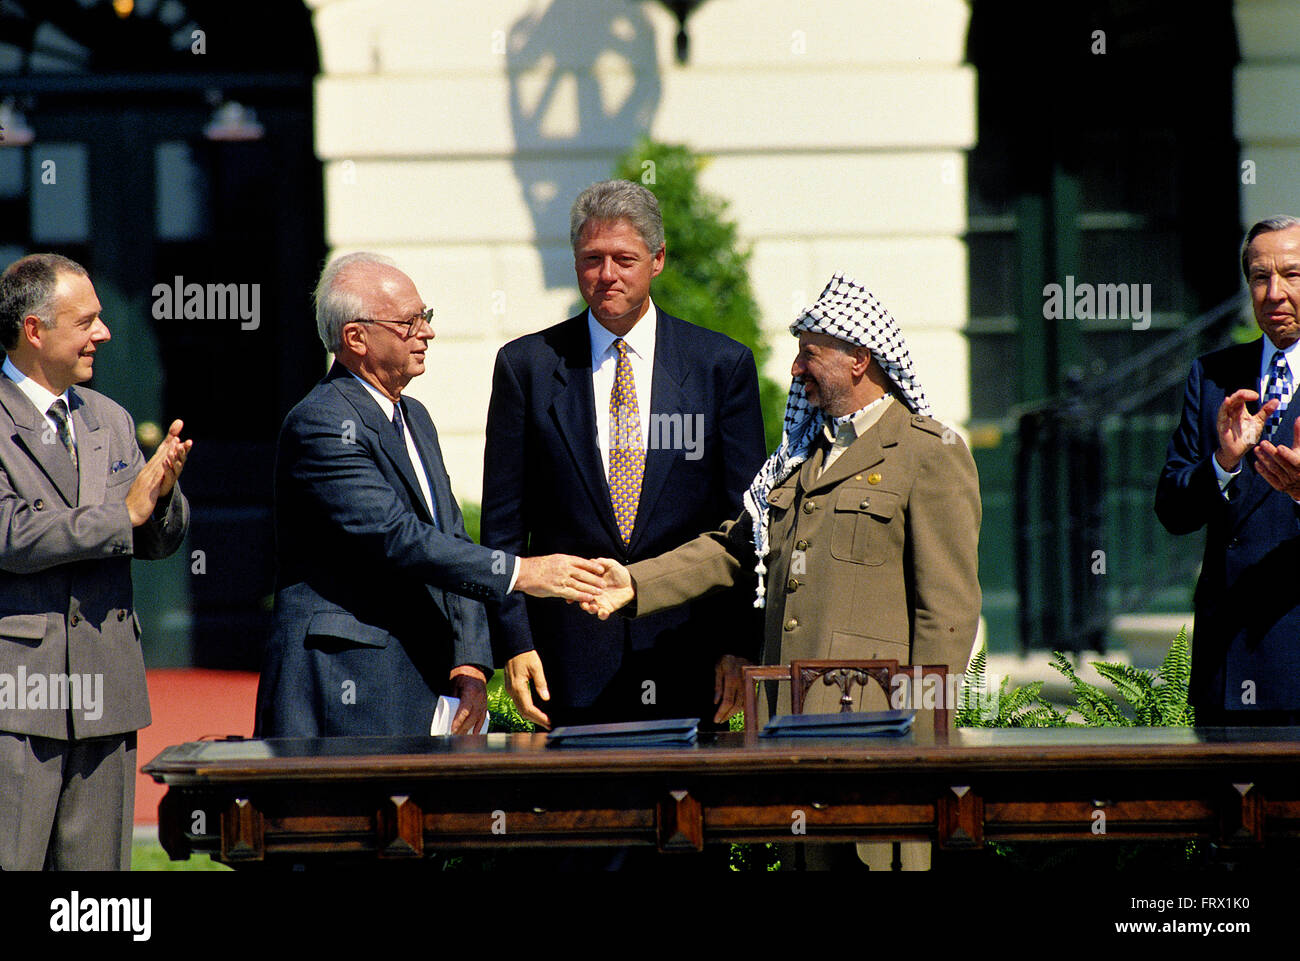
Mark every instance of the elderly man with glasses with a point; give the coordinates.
(378, 588)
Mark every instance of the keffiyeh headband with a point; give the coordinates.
(847, 311)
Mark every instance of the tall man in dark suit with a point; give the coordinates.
(618, 433)
(1228, 468)
(77, 502)
(378, 587)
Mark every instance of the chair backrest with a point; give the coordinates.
(848, 674)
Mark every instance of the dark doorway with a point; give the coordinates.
(1106, 156)
(141, 165)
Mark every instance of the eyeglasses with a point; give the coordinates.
(413, 325)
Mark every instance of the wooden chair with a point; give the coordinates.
(847, 675)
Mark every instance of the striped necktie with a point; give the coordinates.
(59, 411)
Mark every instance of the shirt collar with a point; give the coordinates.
(1266, 358)
(40, 397)
(384, 403)
(640, 339)
(861, 419)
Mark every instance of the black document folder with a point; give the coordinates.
(849, 724)
(627, 734)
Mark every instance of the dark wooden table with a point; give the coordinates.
(269, 801)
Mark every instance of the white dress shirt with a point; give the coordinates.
(41, 398)
(640, 342)
(386, 406)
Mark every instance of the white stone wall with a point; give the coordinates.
(456, 134)
(1267, 90)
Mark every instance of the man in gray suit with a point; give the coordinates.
(77, 502)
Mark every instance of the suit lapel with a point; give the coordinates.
(865, 452)
(425, 436)
(92, 451)
(35, 434)
(373, 418)
(667, 397)
(574, 408)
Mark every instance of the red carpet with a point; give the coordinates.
(189, 704)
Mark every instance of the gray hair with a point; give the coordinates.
(338, 302)
(1265, 226)
(619, 200)
(27, 290)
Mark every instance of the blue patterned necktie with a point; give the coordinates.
(626, 452)
(1279, 389)
(397, 423)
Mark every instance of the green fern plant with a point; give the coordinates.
(1153, 699)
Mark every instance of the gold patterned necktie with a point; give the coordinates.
(59, 411)
(626, 452)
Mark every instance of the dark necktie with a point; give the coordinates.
(397, 423)
(59, 411)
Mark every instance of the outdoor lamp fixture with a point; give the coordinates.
(682, 9)
(14, 131)
(234, 122)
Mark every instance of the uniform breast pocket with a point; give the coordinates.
(863, 526)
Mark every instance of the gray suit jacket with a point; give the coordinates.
(65, 569)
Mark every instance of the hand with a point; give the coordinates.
(1239, 430)
(180, 449)
(1280, 466)
(729, 687)
(468, 684)
(521, 671)
(560, 575)
(617, 590)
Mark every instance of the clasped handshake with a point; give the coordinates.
(600, 587)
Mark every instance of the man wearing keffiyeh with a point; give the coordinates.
(862, 527)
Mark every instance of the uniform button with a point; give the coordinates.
(793, 585)
(1234, 542)
(75, 620)
(39, 504)
(865, 504)
(791, 624)
(801, 545)
(873, 478)
(809, 507)
(121, 615)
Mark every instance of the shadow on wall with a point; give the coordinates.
(584, 85)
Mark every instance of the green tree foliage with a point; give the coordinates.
(706, 274)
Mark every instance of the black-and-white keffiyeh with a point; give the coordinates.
(847, 311)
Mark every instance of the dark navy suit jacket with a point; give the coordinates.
(375, 603)
(545, 490)
(1247, 601)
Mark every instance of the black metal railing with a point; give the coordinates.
(1088, 544)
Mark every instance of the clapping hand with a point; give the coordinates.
(1238, 429)
(1280, 465)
